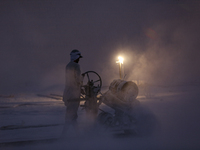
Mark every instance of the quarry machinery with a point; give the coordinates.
(90, 91)
(120, 97)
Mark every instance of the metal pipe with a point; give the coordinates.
(120, 71)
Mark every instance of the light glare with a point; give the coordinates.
(120, 60)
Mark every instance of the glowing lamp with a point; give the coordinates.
(120, 62)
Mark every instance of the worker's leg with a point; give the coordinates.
(71, 117)
(71, 113)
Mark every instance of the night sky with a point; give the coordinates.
(159, 40)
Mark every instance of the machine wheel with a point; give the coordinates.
(89, 90)
(92, 78)
(105, 119)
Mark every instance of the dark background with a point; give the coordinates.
(159, 40)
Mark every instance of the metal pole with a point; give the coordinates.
(120, 73)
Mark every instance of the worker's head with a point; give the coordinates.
(75, 55)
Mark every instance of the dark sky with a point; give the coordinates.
(159, 40)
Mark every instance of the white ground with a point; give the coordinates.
(29, 117)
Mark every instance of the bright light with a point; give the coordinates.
(120, 60)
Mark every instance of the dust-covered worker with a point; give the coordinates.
(71, 95)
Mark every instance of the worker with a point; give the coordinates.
(71, 95)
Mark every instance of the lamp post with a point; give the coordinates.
(120, 62)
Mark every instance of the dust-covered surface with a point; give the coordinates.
(32, 122)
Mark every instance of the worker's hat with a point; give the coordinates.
(75, 54)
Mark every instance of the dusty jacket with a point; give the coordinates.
(72, 82)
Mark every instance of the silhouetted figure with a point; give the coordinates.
(71, 95)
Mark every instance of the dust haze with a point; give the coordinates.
(159, 40)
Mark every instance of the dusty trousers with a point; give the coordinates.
(70, 126)
(71, 112)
